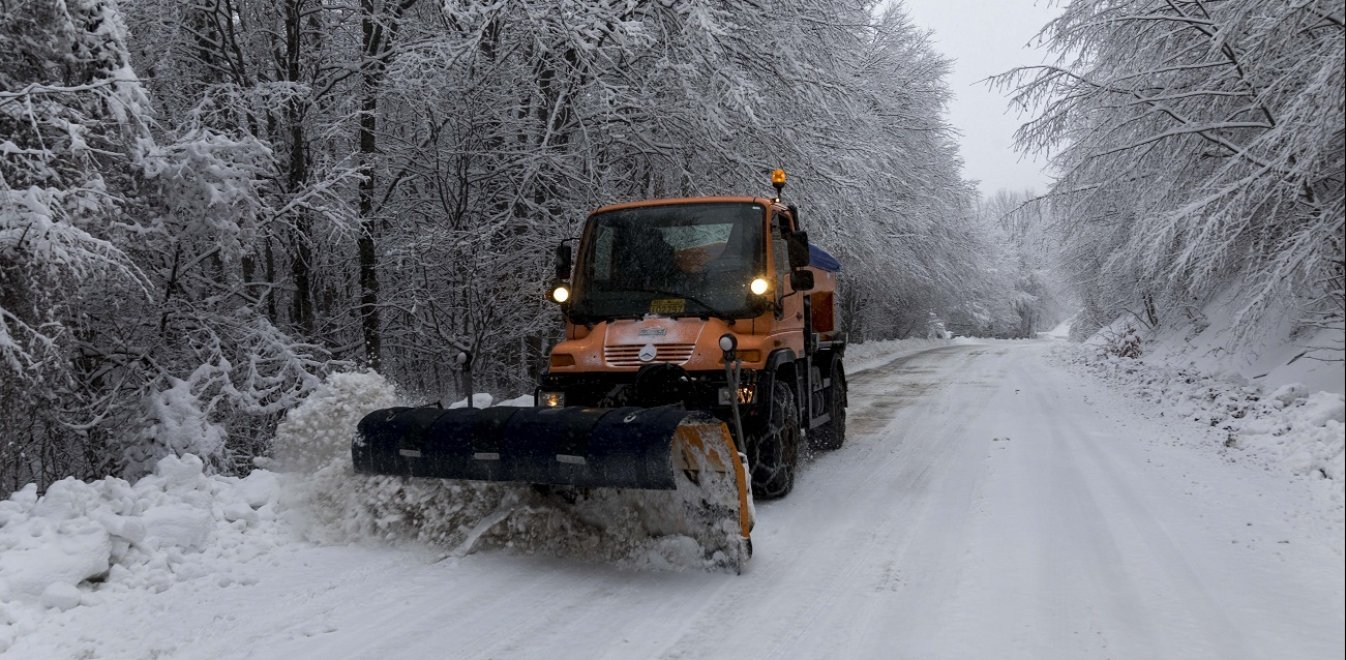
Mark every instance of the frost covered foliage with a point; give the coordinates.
(1200, 148)
(68, 110)
(385, 184)
(1288, 427)
(1016, 292)
(482, 133)
(129, 325)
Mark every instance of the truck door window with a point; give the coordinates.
(780, 253)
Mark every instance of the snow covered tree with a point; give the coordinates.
(126, 327)
(1006, 296)
(1200, 148)
(384, 181)
(71, 112)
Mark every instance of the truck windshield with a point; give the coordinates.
(679, 260)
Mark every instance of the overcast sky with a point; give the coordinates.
(986, 37)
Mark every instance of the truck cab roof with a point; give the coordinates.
(673, 201)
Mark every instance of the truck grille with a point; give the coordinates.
(628, 355)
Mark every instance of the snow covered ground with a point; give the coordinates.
(993, 500)
(1208, 340)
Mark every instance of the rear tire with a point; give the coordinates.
(832, 435)
(774, 447)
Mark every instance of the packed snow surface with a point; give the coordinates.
(1005, 499)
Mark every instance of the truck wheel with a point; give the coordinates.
(774, 447)
(832, 434)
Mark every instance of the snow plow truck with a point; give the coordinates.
(702, 355)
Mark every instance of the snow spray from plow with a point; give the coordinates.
(689, 455)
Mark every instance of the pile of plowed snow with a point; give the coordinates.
(79, 540)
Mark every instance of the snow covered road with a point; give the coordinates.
(989, 503)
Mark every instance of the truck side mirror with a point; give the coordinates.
(563, 262)
(798, 243)
(801, 280)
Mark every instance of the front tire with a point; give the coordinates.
(774, 446)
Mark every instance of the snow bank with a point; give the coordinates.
(1277, 352)
(1288, 428)
(80, 542)
(176, 525)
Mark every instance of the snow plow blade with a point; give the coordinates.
(666, 448)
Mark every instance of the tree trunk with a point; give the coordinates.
(301, 257)
(377, 34)
(368, 146)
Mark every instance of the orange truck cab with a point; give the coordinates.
(660, 288)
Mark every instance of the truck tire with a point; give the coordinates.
(832, 435)
(774, 446)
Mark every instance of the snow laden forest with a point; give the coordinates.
(1199, 151)
(207, 206)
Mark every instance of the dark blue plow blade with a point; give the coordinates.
(586, 447)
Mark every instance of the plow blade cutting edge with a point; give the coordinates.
(643, 449)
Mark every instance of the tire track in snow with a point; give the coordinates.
(924, 569)
(1092, 556)
(1127, 510)
(890, 483)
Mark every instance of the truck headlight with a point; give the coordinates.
(551, 399)
(758, 286)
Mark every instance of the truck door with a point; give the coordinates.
(792, 317)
